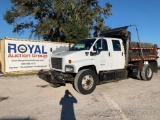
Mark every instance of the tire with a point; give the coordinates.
(139, 76)
(147, 72)
(85, 81)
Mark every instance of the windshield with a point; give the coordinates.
(82, 45)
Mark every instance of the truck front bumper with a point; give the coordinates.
(54, 77)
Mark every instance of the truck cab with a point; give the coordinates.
(102, 53)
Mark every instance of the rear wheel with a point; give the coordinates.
(139, 76)
(147, 72)
(85, 81)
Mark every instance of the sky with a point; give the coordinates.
(143, 13)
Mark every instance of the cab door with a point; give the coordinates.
(102, 57)
(117, 54)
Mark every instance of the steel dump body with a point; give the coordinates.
(149, 52)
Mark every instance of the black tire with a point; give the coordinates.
(85, 81)
(139, 76)
(147, 72)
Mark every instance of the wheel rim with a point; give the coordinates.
(87, 82)
(149, 72)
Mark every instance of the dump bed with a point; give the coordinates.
(149, 51)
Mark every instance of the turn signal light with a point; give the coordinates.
(69, 61)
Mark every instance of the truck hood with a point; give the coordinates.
(64, 53)
(73, 55)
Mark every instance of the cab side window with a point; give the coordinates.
(116, 45)
(101, 44)
(105, 45)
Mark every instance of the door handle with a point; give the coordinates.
(122, 53)
(109, 54)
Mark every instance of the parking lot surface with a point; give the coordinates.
(30, 98)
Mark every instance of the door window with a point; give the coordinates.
(101, 44)
(116, 45)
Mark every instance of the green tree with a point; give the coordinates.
(58, 20)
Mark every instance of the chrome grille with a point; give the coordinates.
(56, 63)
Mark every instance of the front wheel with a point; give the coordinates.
(147, 72)
(85, 81)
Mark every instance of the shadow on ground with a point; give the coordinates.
(67, 102)
(3, 98)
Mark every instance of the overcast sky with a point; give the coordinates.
(144, 13)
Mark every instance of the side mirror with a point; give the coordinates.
(69, 46)
(51, 49)
(93, 53)
(99, 50)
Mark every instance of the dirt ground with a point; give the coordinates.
(30, 98)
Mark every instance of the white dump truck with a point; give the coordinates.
(93, 61)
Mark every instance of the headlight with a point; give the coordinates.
(69, 68)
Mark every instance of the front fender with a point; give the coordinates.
(82, 63)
